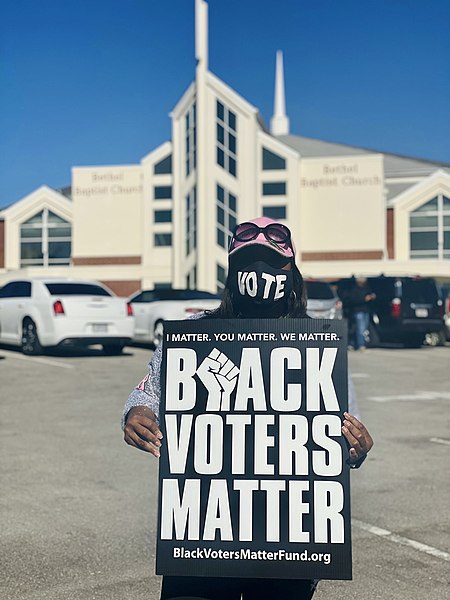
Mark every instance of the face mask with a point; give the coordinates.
(260, 283)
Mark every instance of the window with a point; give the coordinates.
(422, 290)
(153, 295)
(274, 212)
(319, 290)
(162, 192)
(164, 166)
(163, 216)
(226, 216)
(271, 161)
(162, 239)
(76, 289)
(164, 291)
(191, 283)
(190, 121)
(7, 291)
(162, 286)
(138, 298)
(45, 240)
(23, 289)
(226, 129)
(274, 188)
(429, 229)
(191, 221)
(16, 289)
(221, 277)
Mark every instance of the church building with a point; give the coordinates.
(167, 221)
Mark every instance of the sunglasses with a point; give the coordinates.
(275, 233)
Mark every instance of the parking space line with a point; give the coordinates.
(414, 396)
(403, 541)
(43, 361)
(360, 375)
(436, 440)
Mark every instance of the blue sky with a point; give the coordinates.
(92, 82)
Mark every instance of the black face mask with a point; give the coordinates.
(262, 285)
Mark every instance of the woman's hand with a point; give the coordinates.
(142, 431)
(358, 437)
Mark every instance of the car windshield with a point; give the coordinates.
(420, 290)
(76, 289)
(171, 294)
(319, 290)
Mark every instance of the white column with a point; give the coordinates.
(201, 33)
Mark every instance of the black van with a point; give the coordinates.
(405, 309)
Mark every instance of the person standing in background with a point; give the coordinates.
(358, 301)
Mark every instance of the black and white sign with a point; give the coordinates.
(253, 480)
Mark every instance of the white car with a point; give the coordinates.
(41, 312)
(152, 307)
(323, 302)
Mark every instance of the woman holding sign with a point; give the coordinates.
(263, 282)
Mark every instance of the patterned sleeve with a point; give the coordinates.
(148, 391)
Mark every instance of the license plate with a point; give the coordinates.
(99, 327)
(421, 313)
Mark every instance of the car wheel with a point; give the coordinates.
(372, 337)
(442, 338)
(435, 338)
(113, 349)
(158, 333)
(31, 345)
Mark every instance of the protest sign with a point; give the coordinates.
(253, 478)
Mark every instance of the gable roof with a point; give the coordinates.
(438, 182)
(43, 195)
(395, 165)
(394, 189)
(311, 147)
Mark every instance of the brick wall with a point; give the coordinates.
(107, 260)
(390, 232)
(353, 255)
(124, 288)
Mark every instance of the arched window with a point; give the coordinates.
(45, 240)
(429, 229)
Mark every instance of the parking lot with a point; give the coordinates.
(78, 507)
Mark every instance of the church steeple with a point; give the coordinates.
(279, 124)
(201, 33)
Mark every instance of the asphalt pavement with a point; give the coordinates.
(78, 506)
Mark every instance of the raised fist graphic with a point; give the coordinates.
(219, 376)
